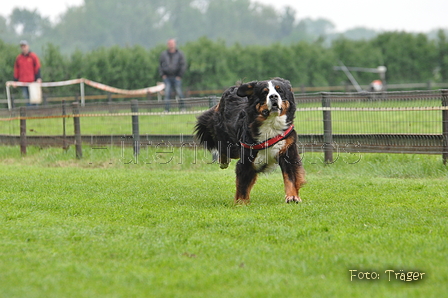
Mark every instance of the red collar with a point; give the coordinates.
(269, 142)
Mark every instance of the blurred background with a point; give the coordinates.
(317, 45)
(118, 43)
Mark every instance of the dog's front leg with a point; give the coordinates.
(245, 180)
(293, 174)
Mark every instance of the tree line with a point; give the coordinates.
(98, 23)
(409, 58)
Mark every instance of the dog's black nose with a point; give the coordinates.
(274, 100)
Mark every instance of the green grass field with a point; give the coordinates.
(165, 226)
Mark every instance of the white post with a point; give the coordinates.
(382, 71)
(8, 95)
(82, 93)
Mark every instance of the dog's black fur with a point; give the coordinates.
(251, 113)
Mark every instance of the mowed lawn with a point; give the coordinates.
(98, 227)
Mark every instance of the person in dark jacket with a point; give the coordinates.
(172, 67)
(26, 68)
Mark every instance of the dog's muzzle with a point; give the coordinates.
(275, 105)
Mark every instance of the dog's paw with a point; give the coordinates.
(293, 199)
(242, 202)
(224, 165)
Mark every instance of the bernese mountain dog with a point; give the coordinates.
(253, 122)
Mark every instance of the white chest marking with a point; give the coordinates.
(268, 158)
(271, 127)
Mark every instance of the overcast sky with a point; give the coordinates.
(388, 15)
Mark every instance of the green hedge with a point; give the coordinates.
(212, 64)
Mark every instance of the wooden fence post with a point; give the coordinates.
(23, 131)
(445, 126)
(328, 133)
(64, 133)
(109, 101)
(135, 127)
(77, 125)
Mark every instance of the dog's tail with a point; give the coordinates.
(219, 120)
(204, 130)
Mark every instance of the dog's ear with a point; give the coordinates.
(246, 89)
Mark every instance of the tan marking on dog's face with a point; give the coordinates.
(260, 108)
(285, 107)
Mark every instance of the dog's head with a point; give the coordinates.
(269, 98)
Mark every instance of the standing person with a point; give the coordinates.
(27, 68)
(171, 68)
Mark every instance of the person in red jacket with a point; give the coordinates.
(27, 68)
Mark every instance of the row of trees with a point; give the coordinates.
(214, 65)
(98, 23)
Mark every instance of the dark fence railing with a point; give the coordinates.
(389, 122)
